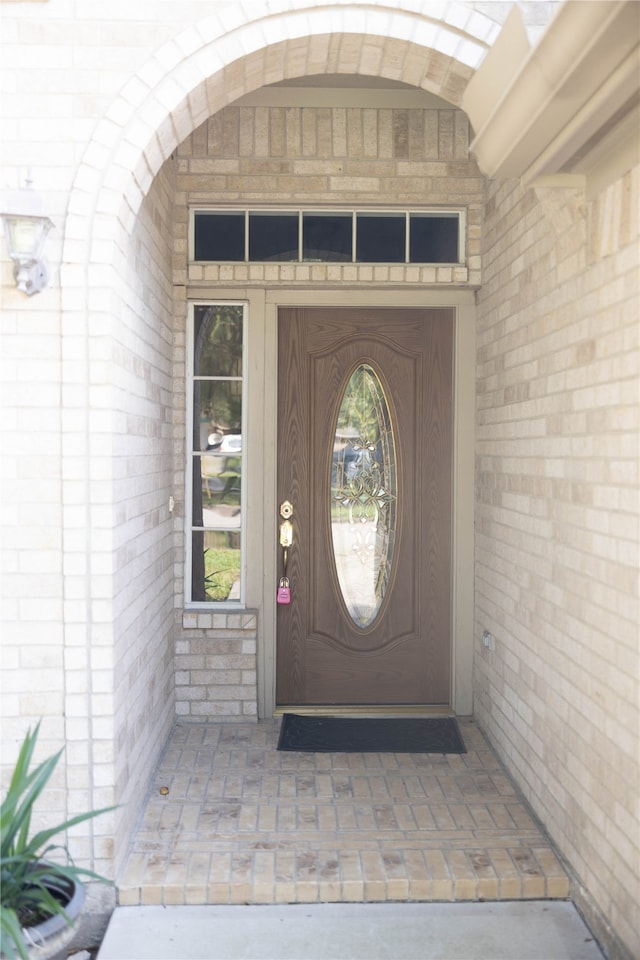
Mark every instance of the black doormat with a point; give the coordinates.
(370, 734)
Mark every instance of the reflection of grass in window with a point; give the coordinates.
(231, 477)
(221, 572)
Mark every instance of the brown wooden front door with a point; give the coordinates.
(398, 651)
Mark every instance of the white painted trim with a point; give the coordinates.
(463, 533)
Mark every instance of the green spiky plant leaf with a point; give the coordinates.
(33, 887)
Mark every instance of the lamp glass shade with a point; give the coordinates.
(26, 236)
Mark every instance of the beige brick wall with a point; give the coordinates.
(354, 156)
(215, 662)
(557, 521)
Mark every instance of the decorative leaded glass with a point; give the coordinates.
(363, 495)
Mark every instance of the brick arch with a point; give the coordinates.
(226, 56)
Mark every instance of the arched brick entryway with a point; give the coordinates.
(226, 56)
(207, 67)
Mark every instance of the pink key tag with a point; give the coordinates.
(284, 591)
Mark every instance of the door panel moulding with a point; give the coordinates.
(583, 70)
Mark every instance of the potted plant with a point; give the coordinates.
(39, 897)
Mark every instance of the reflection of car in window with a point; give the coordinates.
(229, 443)
(344, 466)
(350, 459)
(232, 443)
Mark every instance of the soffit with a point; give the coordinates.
(344, 91)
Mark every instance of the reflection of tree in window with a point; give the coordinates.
(217, 410)
(218, 341)
(363, 494)
(359, 408)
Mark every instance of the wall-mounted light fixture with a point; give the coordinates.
(25, 228)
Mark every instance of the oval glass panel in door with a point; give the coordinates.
(363, 495)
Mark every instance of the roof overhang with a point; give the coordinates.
(565, 108)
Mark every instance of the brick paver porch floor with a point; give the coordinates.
(244, 823)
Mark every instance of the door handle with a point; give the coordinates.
(286, 533)
(286, 530)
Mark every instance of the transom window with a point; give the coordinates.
(215, 476)
(348, 236)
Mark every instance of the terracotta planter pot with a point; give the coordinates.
(47, 938)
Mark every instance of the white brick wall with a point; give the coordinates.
(557, 521)
(142, 458)
(32, 663)
(88, 539)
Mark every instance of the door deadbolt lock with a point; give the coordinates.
(286, 509)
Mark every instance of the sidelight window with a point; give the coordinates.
(215, 484)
